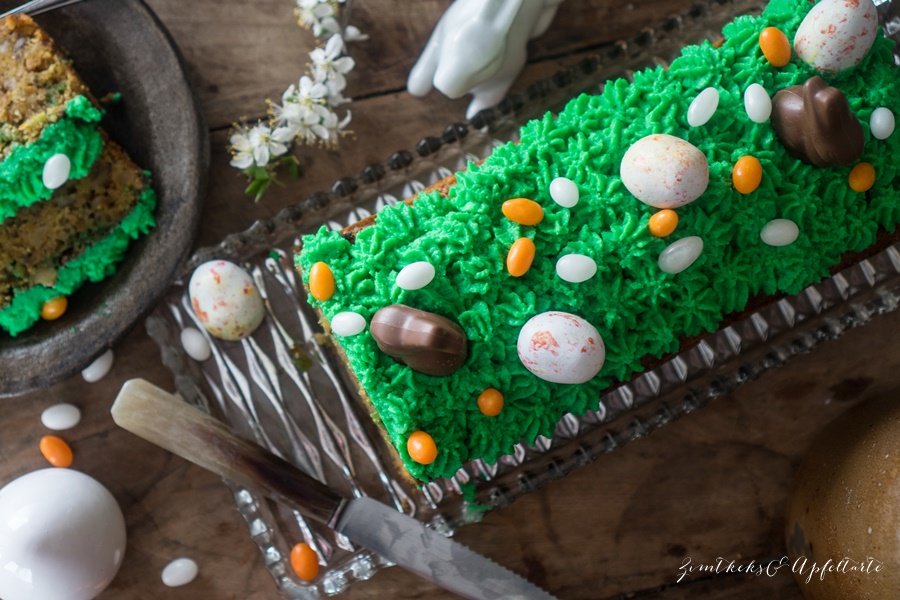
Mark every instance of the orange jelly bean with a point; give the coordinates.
(523, 211)
(520, 257)
(663, 223)
(304, 561)
(421, 448)
(775, 46)
(54, 308)
(862, 177)
(490, 402)
(56, 451)
(746, 174)
(321, 282)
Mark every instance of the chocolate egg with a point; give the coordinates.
(664, 171)
(843, 513)
(561, 347)
(837, 34)
(225, 300)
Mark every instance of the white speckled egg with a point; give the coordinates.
(225, 300)
(561, 347)
(62, 536)
(415, 276)
(837, 34)
(664, 171)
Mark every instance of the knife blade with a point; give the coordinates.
(161, 418)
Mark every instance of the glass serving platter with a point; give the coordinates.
(283, 387)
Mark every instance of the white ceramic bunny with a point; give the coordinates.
(478, 48)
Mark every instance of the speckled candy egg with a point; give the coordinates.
(226, 300)
(561, 347)
(836, 34)
(664, 171)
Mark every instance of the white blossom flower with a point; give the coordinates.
(254, 146)
(328, 66)
(353, 34)
(318, 16)
(335, 128)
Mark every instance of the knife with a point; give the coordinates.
(160, 418)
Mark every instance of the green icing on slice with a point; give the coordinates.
(638, 310)
(76, 136)
(95, 264)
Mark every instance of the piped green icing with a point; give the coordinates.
(76, 136)
(638, 310)
(95, 264)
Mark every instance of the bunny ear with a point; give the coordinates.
(499, 14)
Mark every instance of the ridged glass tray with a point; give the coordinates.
(283, 388)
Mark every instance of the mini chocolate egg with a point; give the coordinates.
(664, 171)
(561, 347)
(225, 300)
(837, 34)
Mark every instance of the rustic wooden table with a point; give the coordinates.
(712, 485)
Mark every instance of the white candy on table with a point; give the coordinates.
(478, 48)
(561, 347)
(179, 572)
(415, 276)
(837, 34)
(60, 417)
(779, 232)
(348, 323)
(564, 192)
(62, 536)
(757, 103)
(226, 300)
(196, 346)
(882, 123)
(680, 255)
(98, 369)
(664, 171)
(703, 107)
(576, 268)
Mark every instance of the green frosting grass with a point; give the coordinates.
(96, 263)
(76, 136)
(638, 310)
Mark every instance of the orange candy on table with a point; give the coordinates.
(56, 451)
(54, 308)
(775, 46)
(304, 561)
(663, 223)
(321, 282)
(520, 257)
(746, 174)
(862, 177)
(523, 211)
(490, 402)
(421, 448)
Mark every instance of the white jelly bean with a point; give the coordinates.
(564, 192)
(348, 323)
(882, 123)
(703, 107)
(60, 417)
(779, 232)
(98, 369)
(56, 171)
(180, 571)
(757, 103)
(679, 255)
(196, 346)
(415, 276)
(576, 268)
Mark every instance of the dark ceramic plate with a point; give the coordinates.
(121, 46)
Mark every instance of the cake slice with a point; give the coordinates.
(70, 199)
(615, 232)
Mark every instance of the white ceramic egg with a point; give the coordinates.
(62, 537)
(561, 347)
(837, 34)
(226, 300)
(664, 171)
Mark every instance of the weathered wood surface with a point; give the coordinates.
(711, 485)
